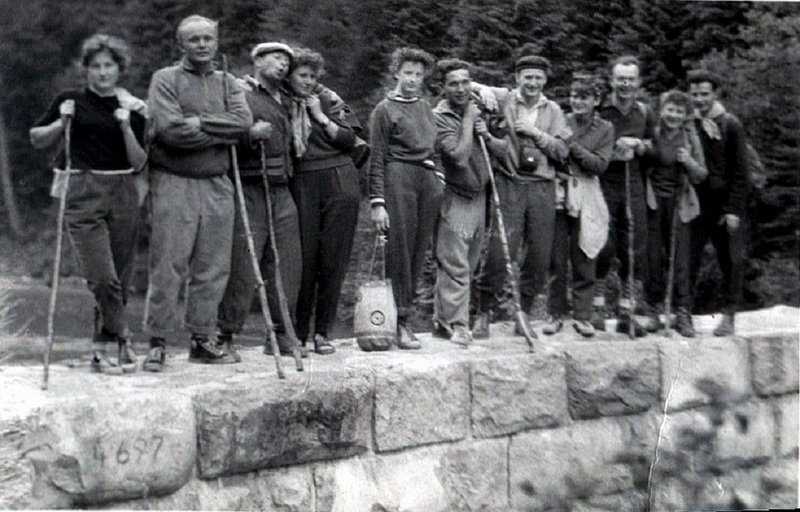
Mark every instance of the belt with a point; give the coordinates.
(98, 172)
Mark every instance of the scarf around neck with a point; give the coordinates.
(301, 126)
(709, 125)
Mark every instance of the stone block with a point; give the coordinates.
(574, 462)
(422, 402)
(248, 429)
(776, 364)
(278, 490)
(86, 452)
(600, 385)
(787, 412)
(695, 372)
(462, 477)
(779, 484)
(516, 393)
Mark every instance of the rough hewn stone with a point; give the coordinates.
(775, 364)
(449, 478)
(571, 462)
(110, 448)
(512, 394)
(702, 371)
(787, 412)
(779, 484)
(599, 385)
(247, 429)
(421, 402)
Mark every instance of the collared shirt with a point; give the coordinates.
(639, 121)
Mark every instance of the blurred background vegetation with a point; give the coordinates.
(754, 46)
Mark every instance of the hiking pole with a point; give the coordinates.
(262, 294)
(629, 217)
(62, 206)
(518, 313)
(282, 302)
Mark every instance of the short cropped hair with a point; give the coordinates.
(402, 55)
(116, 47)
(193, 18)
(445, 66)
(627, 60)
(676, 97)
(310, 58)
(696, 76)
(584, 83)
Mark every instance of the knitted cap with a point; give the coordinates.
(264, 48)
(532, 61)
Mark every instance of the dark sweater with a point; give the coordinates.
(725, 190)
(400, 131)
(469, 178)
(324, 152)
(96, 137)
(635, 123)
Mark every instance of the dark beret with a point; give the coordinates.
(532, 61)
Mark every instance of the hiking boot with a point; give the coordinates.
(480, 327)
(461, 335)
(101, 364)
(584, 328)
(126, 357)
(624, 322)
(202, 350)
(598, 320)
(553, 326)
(653, 322)
(726, 326)
(322, 346)
(156, 358)
(441, 331)
(406, 339)
(225, 343)
(683, 323)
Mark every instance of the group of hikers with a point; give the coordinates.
(494, 177)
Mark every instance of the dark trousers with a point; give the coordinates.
(567, 250)
(102, 219)
(327, 205)
(659, 235)
(241, 286)
(730, 249)
(617, 245)
(529, 214)
(413, 197)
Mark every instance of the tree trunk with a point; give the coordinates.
(8, 184)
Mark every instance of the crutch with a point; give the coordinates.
(518, 314)
(62, 206)
(282, 302)
(629, 217)
(262, 294)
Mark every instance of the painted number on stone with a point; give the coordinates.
(125, 451)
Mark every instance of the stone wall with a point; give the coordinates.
(574, 426)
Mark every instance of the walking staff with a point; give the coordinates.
(63, 185)
(522, 322)
(629, 219)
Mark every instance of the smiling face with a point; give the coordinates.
(303, 81)
(531, 82)
(457, 86)
(582, 102)
(703, 96)
(673, 115)
(198, 40)
(102, 73)
(410, 77)
(625, 81)
(272, 66)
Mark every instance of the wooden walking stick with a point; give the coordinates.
(629, 216)
(63, 186)
(262, 294)
(282, 302)
(518, 313)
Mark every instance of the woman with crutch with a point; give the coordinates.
(326, 192)
(102, 203)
